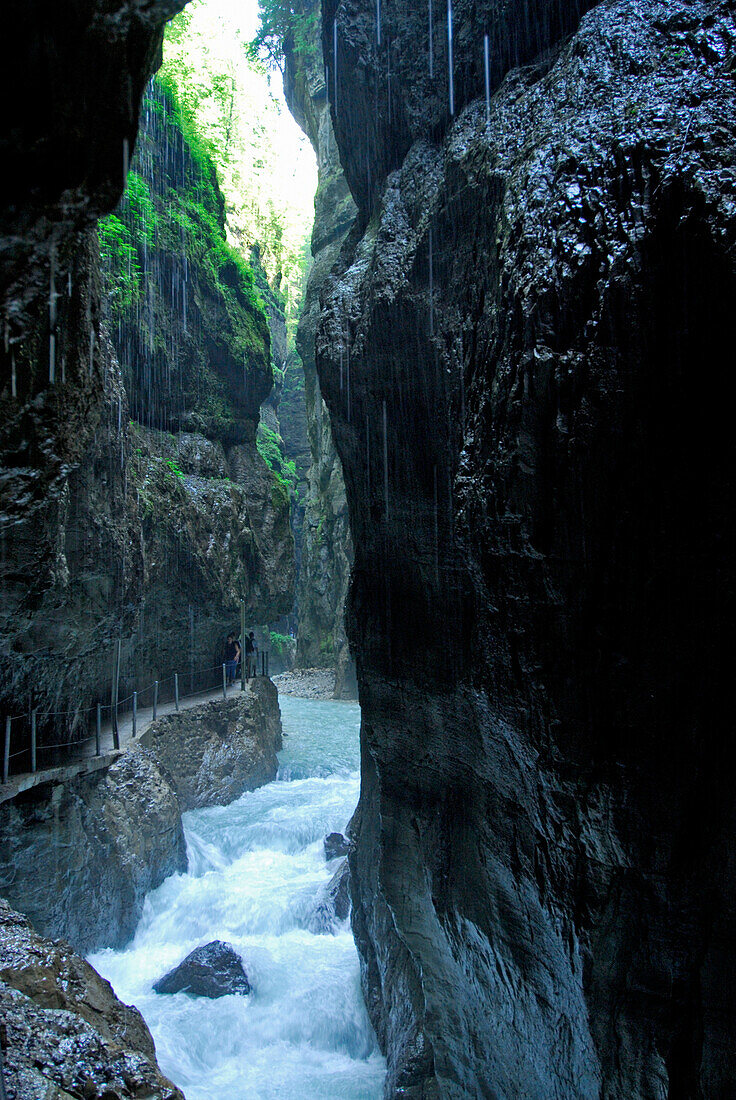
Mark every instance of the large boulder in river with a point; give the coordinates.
(215, 752)
(213, 970)
(66, 1033)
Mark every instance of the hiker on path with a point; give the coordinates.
(232, 656)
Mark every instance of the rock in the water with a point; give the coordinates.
(336, 846)
(66, 1033)
(333, 904)
(213, 970)
(338, 890)
(215, 752)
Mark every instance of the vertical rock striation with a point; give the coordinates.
(540, 489)
(327, 552)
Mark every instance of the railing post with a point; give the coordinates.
(135, 712)
(33, 740)
(155, 699)
(224, 681)
(98, 729)
(176, 690)
(6, 753)
(115, 687)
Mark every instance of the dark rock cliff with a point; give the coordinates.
(145, 536)
(539, 471)
(327, 551)
(79, 855)
(76, 79)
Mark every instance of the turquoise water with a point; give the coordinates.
(256, 875)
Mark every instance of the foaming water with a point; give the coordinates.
(256, 875)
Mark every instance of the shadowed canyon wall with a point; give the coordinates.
(327, 551)
(539, 477)
(112, 526)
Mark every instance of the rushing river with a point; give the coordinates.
(256, 873)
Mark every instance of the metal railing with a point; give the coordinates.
(104, 720)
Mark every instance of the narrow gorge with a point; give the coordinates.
(517, 549)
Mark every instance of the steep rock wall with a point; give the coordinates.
(76, 79)
(146, 537)
(327, 551)
(216, 752)
(79, 856)
(540, 496)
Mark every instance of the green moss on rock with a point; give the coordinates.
(188, 318)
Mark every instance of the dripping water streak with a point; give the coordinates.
(487, 66)
(436, 530)
(334, 60)
(431, 283)
(431, 41)
(385, 456)
(450, 63)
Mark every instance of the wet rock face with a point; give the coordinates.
(396, 91)
(65, 1031)
(110, 530)
(543, 875)
(213, 970)
(215, 752)
(327, 551)
(79, 858)
(76, 78)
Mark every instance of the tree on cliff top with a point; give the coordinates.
(285, 24)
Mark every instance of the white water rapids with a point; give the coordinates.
(256, 872)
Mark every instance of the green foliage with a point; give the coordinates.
(169, 230)
(269, 446)
(280, 643)
(285, 25)
(123, 280)
(175, 469)
(230, 113)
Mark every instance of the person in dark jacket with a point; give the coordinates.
(232, 656)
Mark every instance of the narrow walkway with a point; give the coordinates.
(87, 761)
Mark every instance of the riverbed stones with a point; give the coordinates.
(65, 1032)
(216, 752)
(213, 970)
(307, 683)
